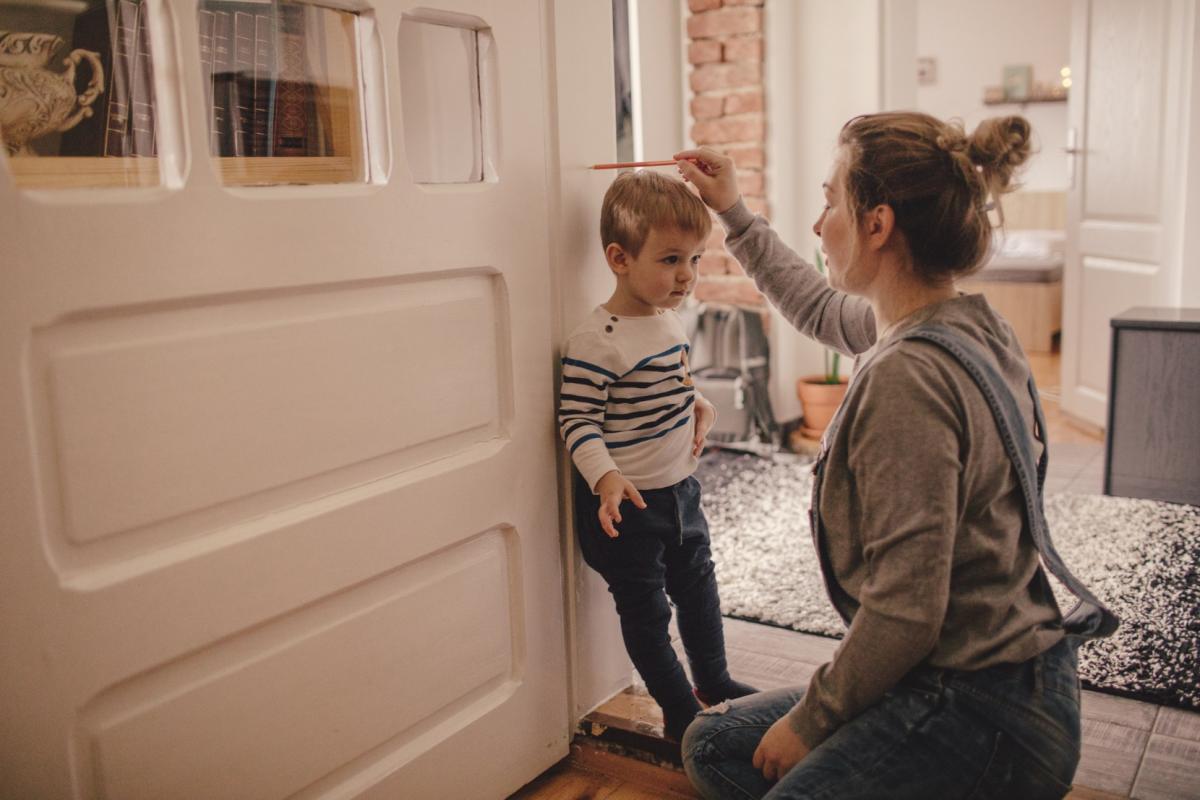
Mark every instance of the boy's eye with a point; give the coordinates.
(671, 260)
(696, 259)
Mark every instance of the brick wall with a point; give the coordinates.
(725, 51)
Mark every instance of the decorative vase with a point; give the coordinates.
(35, 101)
(820, 401)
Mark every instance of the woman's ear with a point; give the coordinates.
(617, 258)
(879, 224)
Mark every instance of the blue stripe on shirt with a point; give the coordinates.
(648, 359)
(583, 439)
(612, 445)
(574, 362)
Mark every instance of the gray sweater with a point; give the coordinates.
(922, 511)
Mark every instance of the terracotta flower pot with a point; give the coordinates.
(819, 400)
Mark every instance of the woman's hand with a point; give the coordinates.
(779, 750)
(713, 174)
(706, 415)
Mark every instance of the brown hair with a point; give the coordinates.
(638, 201)
(939, 182)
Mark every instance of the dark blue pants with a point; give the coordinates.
(1009, 731)
(662, 550)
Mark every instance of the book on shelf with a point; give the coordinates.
(117, 139)
(263, 105)
(241, 107)
(222, 94)
(142, 129)
(207, 21)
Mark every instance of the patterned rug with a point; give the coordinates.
(1139, 556)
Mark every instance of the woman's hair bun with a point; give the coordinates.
(999, 145)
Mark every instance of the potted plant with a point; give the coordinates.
(820, 395)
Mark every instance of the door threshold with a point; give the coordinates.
(630, 724)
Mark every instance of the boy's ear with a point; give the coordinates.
(618, 259)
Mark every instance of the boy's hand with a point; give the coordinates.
(779, 750)
(613, 488)
(706, 415)
(713, 174)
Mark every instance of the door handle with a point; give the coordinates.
(1073, 151)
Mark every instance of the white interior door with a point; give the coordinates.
(279, 512)
(1129, 117)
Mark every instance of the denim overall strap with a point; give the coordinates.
(841, 600)
(1090, 618)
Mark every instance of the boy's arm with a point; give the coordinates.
(587, 370)
(706, 417)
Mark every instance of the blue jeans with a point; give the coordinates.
(1009, 731)
(662, 550)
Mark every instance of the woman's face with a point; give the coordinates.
(836, 227)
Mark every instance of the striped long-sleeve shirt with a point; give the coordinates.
(627, 400)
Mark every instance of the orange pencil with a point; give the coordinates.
(631, 164)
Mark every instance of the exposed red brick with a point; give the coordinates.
(711, 77)
(705, 51)
(748, 157)
(751, 183)
(724, 22)
(743, 102)
(707, 107)
(743, 48)
(697, 6)
(748, 128)
(739, 291)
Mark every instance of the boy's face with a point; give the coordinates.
(664, 272)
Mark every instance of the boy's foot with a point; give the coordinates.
(730, 689)
(677, 717)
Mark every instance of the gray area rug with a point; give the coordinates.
(1139, 556)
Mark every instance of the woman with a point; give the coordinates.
(957, 675)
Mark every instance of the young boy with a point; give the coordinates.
(635, 426)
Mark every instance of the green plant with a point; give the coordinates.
(833, 359)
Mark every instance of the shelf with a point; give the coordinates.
(73, 172)
(111, 172)
(1025, 102)
(273, 171)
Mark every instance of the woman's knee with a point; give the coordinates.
(698, 734)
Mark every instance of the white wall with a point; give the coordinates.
(660, 59)
(823, 67)
(972, 41)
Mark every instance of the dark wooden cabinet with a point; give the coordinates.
(1153, 441)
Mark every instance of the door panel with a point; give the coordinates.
(279, 512)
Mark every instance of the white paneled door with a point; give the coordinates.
(279, 506)
(1128, 114)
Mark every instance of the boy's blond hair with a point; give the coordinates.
(639, 201)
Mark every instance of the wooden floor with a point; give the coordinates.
(1131, 749)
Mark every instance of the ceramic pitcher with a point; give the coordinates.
(34, 100)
